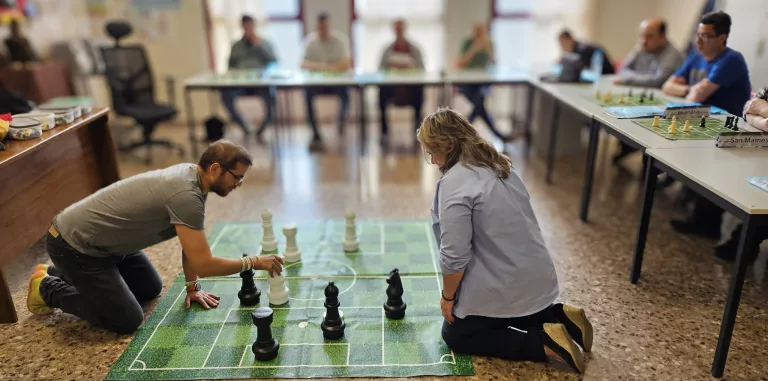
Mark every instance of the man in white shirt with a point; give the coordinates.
(400, 55)
(326, 51)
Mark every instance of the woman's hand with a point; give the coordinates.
(206, 299)
(447, 308)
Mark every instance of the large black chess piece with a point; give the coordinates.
(333, 320)
(394, 308)
(265, 347)
(249, 295)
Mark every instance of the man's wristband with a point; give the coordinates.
(193, 286)
(442, 293)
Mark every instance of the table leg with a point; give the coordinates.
(529, 118)
(594, 135)
(552, 141)
(645, 216)
(7, 310)
(734, 296)
(190, 122)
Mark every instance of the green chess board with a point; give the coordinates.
(711, 129)
(180, 344)
(634, 100)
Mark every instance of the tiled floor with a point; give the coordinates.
(664, 328)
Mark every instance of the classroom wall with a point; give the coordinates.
(749, 36)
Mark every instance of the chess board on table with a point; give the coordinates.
(711, 128)
(627, 100)
(180, 344)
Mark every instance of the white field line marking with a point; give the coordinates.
(382, 336)
(158, 325)
(292, 366)
(221, 234)
(229, 278)
(217, 337)
(432, 255)
(139, 361)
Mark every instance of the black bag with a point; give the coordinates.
(214, 129)
(14, 103)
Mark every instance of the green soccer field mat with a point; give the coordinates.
(180, 344)
(712, 127)
(634, 100)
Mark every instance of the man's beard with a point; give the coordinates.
(220, 189)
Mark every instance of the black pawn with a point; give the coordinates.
(735, 123)
(394, 308)
(703, 122)
(265, 347)
(333, 323)
(650, 96)
(249, 295)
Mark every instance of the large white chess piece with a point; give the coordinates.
(292, 252)
(350, 234)
(268, 240)
(278, 291)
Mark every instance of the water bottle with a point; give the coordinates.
(597, 63)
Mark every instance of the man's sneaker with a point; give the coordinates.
(557, 339)
(35, 302)
(575, 321)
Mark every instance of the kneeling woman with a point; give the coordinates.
(499, 281)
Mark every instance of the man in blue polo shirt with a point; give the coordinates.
(716, 74)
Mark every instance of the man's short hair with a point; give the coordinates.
(323, 16)
(720, 21)
(226, 153)
(246, 18)
(565, 33)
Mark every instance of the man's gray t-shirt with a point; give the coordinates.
(330, 51)
(135, 213)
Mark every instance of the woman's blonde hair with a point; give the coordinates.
(447, 132)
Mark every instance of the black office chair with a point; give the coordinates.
(131, 84)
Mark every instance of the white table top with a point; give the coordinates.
(722, 171)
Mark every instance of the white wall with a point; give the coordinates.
(749, 36)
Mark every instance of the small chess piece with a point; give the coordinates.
(656, 121)
(621, 98)
(291, 253)
(687, 127)
(597, 94)
(673, 126)
(268, 240)
(249, 295)
(350, 233)
(278, 291)
(333, 320)
(394, 308)
(265, 347)
(703, 122)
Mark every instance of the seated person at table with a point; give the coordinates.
(715, 75)
(756, 114)
(400, 55)
(653, 60)
(477, 53)
(100, 272)
(250, 52)
(499, 282)
(584, 50)
(19, 47)
(325, 51)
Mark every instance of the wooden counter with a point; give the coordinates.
(41, 177)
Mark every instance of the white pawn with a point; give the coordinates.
(278, 291)
(268, 240)
(292, 252)
(350, 233)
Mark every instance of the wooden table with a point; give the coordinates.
(720, 175)
(41, 177)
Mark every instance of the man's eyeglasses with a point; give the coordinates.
(238, 178)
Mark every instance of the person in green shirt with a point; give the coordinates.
(251, 52)
(477, 53)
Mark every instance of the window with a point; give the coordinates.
(278, 21)
(372, 30)
(512, 29)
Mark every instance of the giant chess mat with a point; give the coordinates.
(180, 344)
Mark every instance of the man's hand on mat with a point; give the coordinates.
(206, 299)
